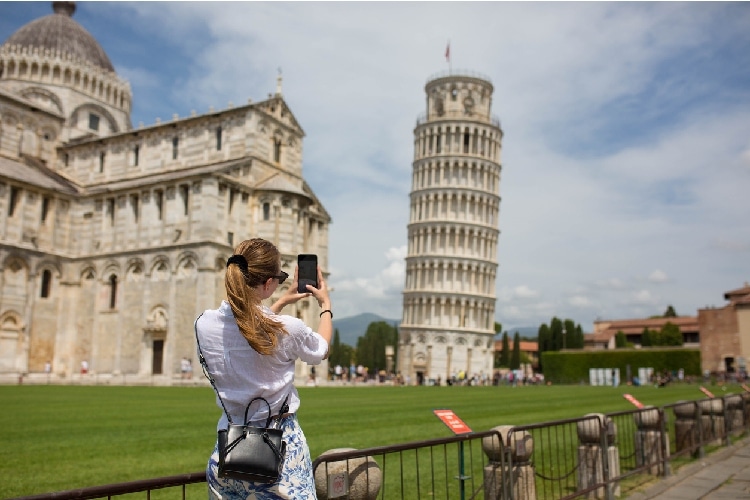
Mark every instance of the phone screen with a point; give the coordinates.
(308, 272)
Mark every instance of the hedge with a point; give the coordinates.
(573, 366)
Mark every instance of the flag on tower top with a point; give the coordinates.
(448, 52)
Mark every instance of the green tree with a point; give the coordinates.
(579, 339)
(647, 338)
(334, 356)
(505, 353)
(371, 346)
(573, 336)
(498, 327)
(670, 334)
(670, 312)
(556, 331)
(341, 354)
(620, 340)
(515, 359)
(544, 340)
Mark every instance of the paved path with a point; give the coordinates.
(723, 475)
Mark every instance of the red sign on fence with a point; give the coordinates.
(452, 421)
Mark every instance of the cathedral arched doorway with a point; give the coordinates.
(157, 357)
(154, 339)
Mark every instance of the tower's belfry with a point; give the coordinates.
(449, 295)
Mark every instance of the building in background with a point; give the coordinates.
(725, 333)
(605, 331)
(451, 264)
(113, 239)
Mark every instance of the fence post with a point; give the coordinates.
(734, 415)
(664, 442)
(363, 476)
(650, 451)
(511, 457)
(598, 457)
(687, 427)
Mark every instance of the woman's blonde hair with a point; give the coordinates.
(263, 260)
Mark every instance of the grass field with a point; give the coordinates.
(63, 437)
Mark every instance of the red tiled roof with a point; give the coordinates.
(605, 330)
(525, 346)
(744, 291)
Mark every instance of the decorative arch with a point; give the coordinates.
(73, 118)
(160, 270)
(158, 318)
(134, 270)
(88, 274)
(11, 340)
(47, 274)
(42, 96)
(187, 264)
(15, 276)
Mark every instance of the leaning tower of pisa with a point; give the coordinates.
(449, 296)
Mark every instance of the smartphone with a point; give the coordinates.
(308, 272)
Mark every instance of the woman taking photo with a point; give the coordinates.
(250, 351)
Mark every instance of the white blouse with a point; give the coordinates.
(241, 373)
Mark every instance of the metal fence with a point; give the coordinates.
(594, 456)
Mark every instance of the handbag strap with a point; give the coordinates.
(207, 373)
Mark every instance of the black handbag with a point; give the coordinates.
(246, 452)
(252, 453)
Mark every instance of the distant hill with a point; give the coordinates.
(529, 332)
(354, 327)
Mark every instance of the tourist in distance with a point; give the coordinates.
(250, 350)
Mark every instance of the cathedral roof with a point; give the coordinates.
(278, 183)
(31, 171)
(59, 32)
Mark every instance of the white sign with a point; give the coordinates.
(338, 485)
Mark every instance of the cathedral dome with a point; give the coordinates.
(59, 32)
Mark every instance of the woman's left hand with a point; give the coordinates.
(291, 295)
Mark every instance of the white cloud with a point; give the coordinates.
(524, 292)
(658, 276)
(579, 301)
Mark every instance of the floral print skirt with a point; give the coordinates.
(296, 481)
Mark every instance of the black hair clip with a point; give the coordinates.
(240, 261)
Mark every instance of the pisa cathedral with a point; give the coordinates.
(113, 239)
(449, 295)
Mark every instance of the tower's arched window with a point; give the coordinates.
(112, 291)
(218, 138)
(266, 211)
(46, 283)
(136, 155)
(175, 147)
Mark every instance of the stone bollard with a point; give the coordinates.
(590, 457)
(520, 471)
(364, 476)
(712, 421)
(686, 427)
(650, 443)
(735, 413)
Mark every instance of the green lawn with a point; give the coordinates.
(63, 437)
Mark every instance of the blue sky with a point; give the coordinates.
(626, 156)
